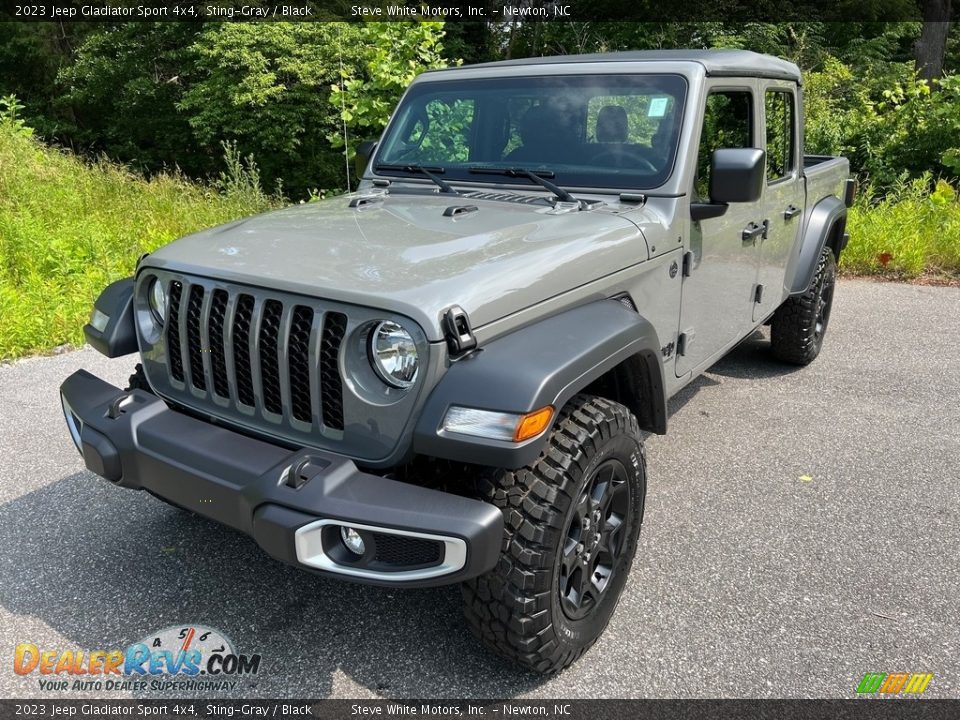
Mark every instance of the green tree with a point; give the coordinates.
(266, 88)
(121, 91)
(392, 55)
(888, 122)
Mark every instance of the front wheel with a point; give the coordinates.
(571, 524)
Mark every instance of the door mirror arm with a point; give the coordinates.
(706, 211)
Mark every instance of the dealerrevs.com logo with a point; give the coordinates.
(178, 658)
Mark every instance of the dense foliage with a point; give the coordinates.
(159, 96)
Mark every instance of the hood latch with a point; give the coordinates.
(458, 332)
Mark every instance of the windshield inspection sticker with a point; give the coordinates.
(658, 107)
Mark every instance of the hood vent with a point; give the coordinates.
(507, 197)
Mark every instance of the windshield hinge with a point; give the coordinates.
(458, 332)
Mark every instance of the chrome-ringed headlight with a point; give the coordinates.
(157, 299)
(393, 354)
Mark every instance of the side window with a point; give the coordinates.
(727, 123)
(780, 134)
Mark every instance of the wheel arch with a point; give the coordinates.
(635, 382)
(601, 347)
(826, 227)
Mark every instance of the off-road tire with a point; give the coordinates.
(517, 609)
(800, 324)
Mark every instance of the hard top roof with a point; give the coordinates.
(719, 62)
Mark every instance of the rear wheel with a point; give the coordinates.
(799, 325)
(572, 520)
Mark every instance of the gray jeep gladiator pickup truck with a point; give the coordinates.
(444, 377)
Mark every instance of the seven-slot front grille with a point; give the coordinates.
(261, 354)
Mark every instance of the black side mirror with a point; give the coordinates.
(736, 176)
(362, 158)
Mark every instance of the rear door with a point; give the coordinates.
(717, 305)
(783, 196)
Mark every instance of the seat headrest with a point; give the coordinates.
(612, 126)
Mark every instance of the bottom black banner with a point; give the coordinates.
(874, 709)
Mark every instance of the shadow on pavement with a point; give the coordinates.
(752, 359)
(104, 567)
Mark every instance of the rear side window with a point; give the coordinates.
(727, 123)
(780, 134)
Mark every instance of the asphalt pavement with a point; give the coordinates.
(802, 528)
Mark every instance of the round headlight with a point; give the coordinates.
(158, 300)
(394, 354)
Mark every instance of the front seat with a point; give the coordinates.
(545, 136)
(612, 125)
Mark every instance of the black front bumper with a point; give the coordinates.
(134, 440)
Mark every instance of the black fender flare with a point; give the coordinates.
(118, 336)
(826, 226)
(545, 363)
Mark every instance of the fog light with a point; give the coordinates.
(351, 538)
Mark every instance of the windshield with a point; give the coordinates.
(607, 131)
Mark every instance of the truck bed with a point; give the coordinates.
(824, 175)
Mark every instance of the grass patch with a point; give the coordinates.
(69, 227)
(908, 233)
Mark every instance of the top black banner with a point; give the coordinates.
(496, 11)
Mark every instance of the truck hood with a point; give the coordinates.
(401, 253)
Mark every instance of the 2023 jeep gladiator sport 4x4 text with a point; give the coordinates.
(443, 377)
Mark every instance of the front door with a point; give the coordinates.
(718, 294)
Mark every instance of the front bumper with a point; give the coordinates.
(291, 502)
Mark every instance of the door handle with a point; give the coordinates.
(791, 212)
(752, 231)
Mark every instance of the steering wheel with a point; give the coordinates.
(625, 156)
(414, 139)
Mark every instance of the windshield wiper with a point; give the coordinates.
(427, 171)
(535, 176)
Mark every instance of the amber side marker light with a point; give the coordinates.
(532, 424)
(497, 425)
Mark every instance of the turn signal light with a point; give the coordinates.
(532, 424)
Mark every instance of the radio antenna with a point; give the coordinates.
(343, 110)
